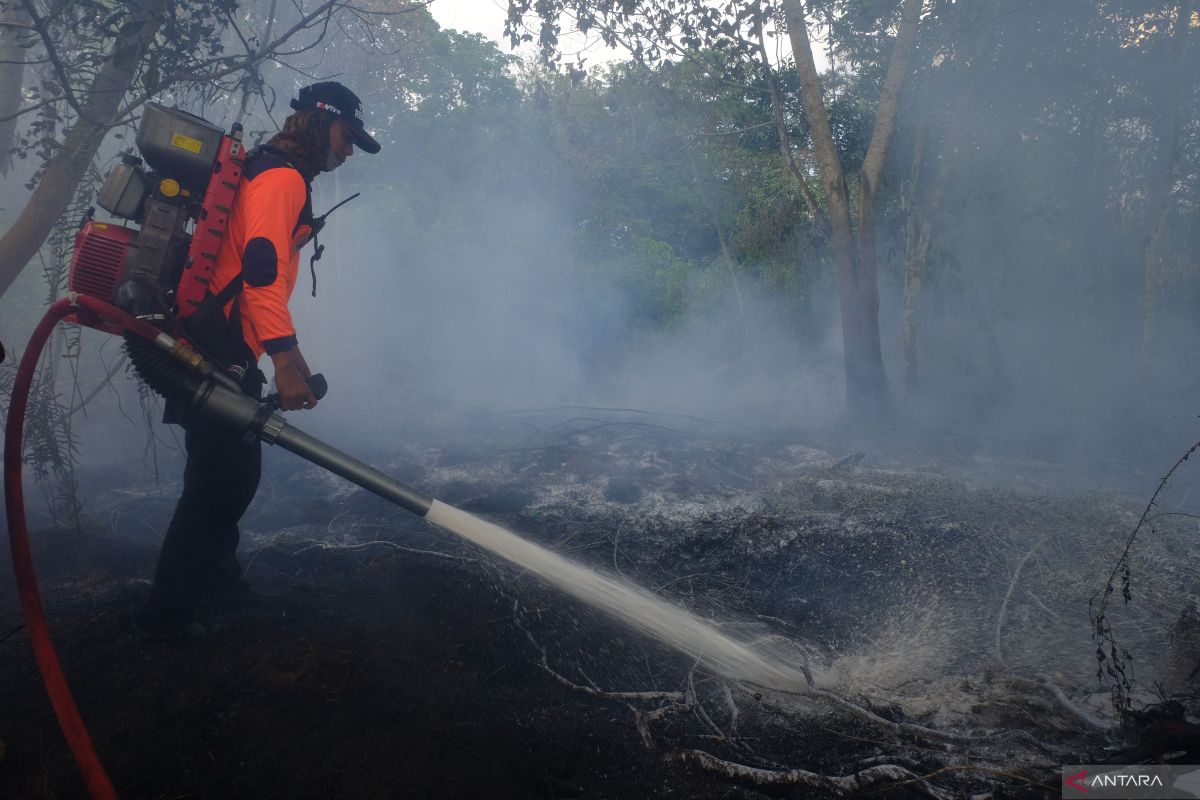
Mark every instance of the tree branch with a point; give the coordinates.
(889, 97)
(64, 79)
(896, 727)
(785, 146)
(241, 63)
(673, 697)
(837, 784)
(34, 107)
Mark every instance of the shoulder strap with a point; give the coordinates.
(230, 290)
(265, 157)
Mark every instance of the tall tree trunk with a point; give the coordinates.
(13, 21)
(1167, 166)
(100, 109)
(914, 259)
(865, 381)
(855, 253)
(914, 277)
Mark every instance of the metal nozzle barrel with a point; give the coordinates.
(245, 415)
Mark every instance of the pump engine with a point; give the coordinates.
(159, 268)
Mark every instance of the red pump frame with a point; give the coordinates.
(211, 225)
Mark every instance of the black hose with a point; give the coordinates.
(168, 376)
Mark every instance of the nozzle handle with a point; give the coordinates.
(317, 383)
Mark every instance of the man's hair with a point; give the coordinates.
(305, 140)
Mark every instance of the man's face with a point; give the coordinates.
(341, 143)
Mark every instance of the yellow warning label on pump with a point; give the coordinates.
(186, 142)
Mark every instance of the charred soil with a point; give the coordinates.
(945, 623)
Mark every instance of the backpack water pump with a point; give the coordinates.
(160, 271)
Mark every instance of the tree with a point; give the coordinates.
(655, 29)
(855, 248)
(95, 112)
(104, 62)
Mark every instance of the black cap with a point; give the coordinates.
(334, 98)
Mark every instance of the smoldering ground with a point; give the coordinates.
(935, 612)
(933, 568)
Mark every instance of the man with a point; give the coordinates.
(244, 318)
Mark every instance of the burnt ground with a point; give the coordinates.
(946, 620)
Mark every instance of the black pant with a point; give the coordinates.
(198, 553)
(219, 481)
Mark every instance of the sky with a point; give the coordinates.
(476, 16)
(487, 17)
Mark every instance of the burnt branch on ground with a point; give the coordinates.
(939, 772)
(941, 621)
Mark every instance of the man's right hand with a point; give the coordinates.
(294, 391)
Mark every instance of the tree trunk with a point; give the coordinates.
(1157, 206)
(871, 172)
(914, 278)
(13, 18)
(855, 255)
(914, 262)
(865, 382)
(100, 108)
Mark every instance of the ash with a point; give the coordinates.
(944, 623)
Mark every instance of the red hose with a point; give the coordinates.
(89, 309)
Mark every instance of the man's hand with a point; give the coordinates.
(290, 374)
(301, 364)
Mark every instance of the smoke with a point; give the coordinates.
(469, 274)
(515, 318)
(1030, 318)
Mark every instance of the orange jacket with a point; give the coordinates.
(269, 223)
